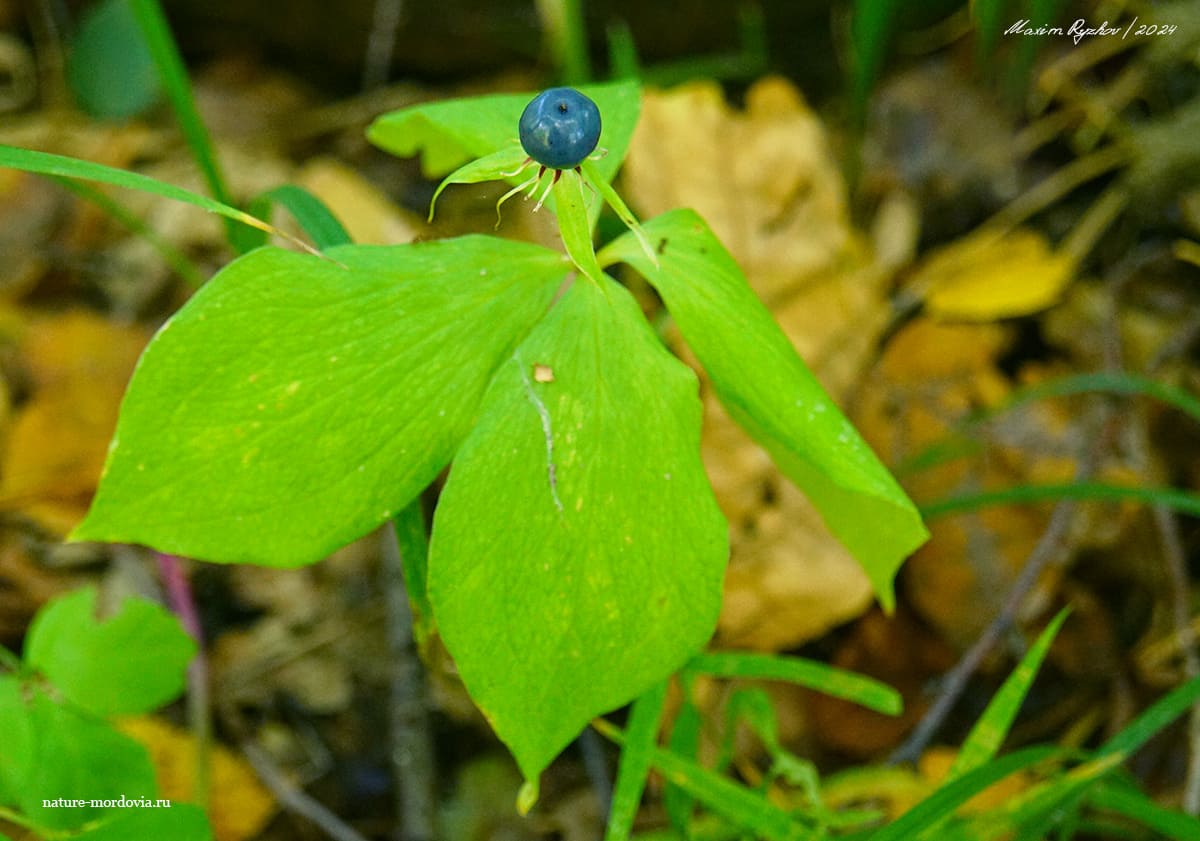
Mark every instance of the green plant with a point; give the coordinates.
(77, 671)
(298, 401)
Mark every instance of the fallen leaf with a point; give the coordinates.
(368, 215)
(78, 365)
(986, 277)
(936, 762)
(899, 652)
(239, 804)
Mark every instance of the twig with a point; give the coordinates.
(179, 595)
(1176, 563)
(295, 799)
(412, 737)
(381, 43)
(955, 681)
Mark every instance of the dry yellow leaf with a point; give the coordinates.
(936, 762)
(369, 216)
(78, 364)
(985, 276)
(239, 805)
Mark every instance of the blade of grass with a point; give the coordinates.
(636, 757)
(1133, 804)
(990, 730)
(44, 163)
(960, 443)
(751, 811)
(989, 17)
(1185, 502)
(839, 683)
(173, 74)
(949, 797)
(871, 30)
(1040, 808)
(1153, 719)
(684, 742)
(312, 214)
(171, 255)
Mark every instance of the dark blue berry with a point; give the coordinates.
(560, 128)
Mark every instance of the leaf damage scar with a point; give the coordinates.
(547, 431)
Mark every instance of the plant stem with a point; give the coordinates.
(404, 550)
(179, 594)
(173, 74)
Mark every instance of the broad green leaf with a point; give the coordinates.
(768, 389)
(449, 133)
(180, 822)
(109, 69)
(296, 403)
(51, 751)
(577, 551)
(830, 680)
(130, 663)
(989, 732)
(16, 748)
(641, 735)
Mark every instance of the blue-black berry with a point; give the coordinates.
(560, 127)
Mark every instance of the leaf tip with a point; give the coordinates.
(527, 797)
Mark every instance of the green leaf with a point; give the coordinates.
(577, 552)
(130, 663)
(574, 226)
(180, 822)
(838, 683)
(110, 70)
(295, 403)
(494, 167)
(989, 732)
(17, 746)
(52, 751)
(768, 389)
(450, 133)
